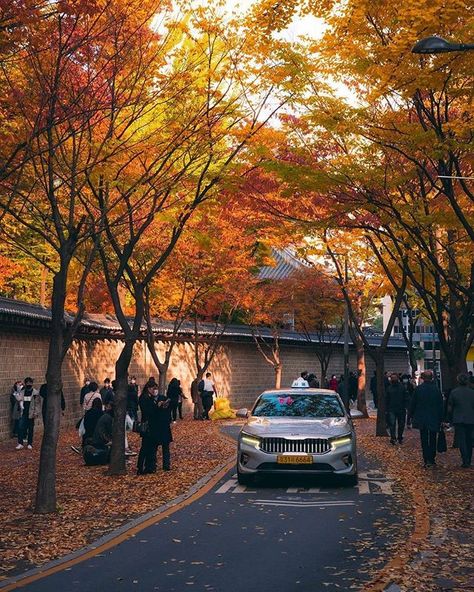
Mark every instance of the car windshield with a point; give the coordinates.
(298, 405)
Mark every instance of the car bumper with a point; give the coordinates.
(337, 461)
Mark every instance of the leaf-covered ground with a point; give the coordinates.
(440, 555)
(90, 502)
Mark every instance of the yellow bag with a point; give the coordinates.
(222, 409)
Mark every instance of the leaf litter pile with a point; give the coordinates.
(90, 503)
(442, 558)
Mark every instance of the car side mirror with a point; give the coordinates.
(242, 412)
(356, 414)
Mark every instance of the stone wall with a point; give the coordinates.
(239, 370)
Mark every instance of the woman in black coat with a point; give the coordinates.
(155, 410)
(174, 394)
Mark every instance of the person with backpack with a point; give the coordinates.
(208, 390)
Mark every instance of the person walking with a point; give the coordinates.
(196, 399)
(396, 402)
(156, 419)
(174, 393)
(208, 391)
(373, 388)
(426, 411)
(29, 408)
(333, 383)
(461, 415)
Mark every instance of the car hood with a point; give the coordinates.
(284, 427)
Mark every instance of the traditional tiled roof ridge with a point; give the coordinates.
(17, 314)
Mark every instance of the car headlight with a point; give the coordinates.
(341, 440)
(250, 440)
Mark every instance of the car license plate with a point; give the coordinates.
(307, 459)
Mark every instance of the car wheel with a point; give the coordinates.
(243, 479)
(351, 480)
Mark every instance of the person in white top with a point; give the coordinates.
(301, 381)
(207, 390)
(90, 396)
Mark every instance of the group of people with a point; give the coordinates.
(425, 409)
(149, 412)
(26, 404)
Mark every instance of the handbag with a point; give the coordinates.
(441, 445)
(140, 427)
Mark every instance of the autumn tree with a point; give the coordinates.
(203, 115)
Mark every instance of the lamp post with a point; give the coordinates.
(435, 44)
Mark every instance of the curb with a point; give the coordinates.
(122, 533)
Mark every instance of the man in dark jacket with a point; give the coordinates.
(155, 410)
(396, 403)
(461, 414)
(132, 398)
(107, 392)
(426, 411)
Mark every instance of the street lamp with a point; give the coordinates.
(435, 44)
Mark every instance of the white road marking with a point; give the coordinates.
(369, 484)
(296, 504)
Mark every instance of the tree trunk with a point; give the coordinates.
(162, 374)
(46, 484)
(381, 428)
(361, 380)
(117, 459)
(278, 369)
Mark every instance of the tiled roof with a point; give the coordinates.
(15, 313)
(285, 265)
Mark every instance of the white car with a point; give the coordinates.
(297, 430)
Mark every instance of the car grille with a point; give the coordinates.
(308, 446)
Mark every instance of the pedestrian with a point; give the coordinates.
(409, 387)
(44, 395)
(197, 400)
(107, 392)
(29, 408)
(313, 381)
(396, 406)
(373, 388)
(84, 390)
(426, 411)
(156, 430)
(132, 398)
(90, 396)
(353, 387)
(461, 415)
(173, 393)
(333, 383)
(14, 409)
(208, 390)
(182, 396)
(301, 381)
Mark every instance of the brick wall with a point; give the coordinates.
(239, 370)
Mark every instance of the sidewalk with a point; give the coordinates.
(440, 554)
(90, 503)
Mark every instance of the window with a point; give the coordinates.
(298, 405)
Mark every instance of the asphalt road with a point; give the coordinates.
(306, 535)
